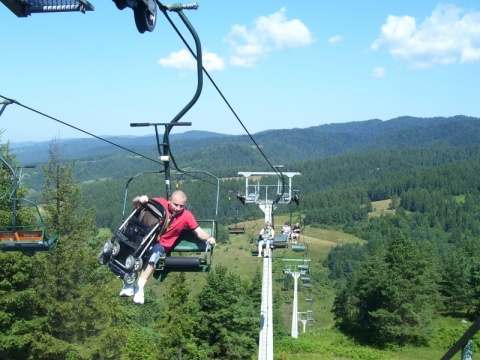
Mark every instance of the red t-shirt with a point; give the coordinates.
(184, 220)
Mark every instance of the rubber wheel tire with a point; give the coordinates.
(101, 258)
(138, 265)
(107, 248)
(144, 19)
(116, 248)
(129, 262)
(130, 278)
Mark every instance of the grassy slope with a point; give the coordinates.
(329, 343)
(381, 208)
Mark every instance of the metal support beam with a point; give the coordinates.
(265, 342)
(24, 8)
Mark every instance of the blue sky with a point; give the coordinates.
(281, 64)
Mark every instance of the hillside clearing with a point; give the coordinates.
(381, 208)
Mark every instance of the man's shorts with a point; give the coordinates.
(155, 253)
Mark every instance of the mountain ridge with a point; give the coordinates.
(281, 145)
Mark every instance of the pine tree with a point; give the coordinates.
(178, 331)
(227, 316)
(76, 305)
(18, 300)
(367, 293)
(407, 311)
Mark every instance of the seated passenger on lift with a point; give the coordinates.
(265, 237)
(286, 229)
(296, 233)
(183, 219)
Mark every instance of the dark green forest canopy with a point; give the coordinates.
(427, 168)
(375, 159)
(226, 153)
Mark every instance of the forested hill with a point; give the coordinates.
(194, 149)
(405, 290)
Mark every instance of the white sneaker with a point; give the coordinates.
(139, 297)
(127, 291)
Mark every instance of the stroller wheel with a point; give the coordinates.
(138, 264)
(107, 248)
(129, 262)
(101, 258)
(116, 248)
(130, 278)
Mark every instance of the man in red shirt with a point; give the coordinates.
(181, 219)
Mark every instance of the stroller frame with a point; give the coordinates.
(125, 253)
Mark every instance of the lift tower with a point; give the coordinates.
(263, 195)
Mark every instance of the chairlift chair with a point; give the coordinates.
(300, 246)
(255, 251)
(236, 230)
(27, 239)
(280, 241)
(189, 254)
(304, 269)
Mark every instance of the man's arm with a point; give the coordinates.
(143, 199)
(205, 236)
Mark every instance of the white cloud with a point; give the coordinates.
(379, 72)
(335, 39)
(212, 62)
(183, 60)
(449, 35)
(270, 33)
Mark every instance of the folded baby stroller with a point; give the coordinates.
(128, 249)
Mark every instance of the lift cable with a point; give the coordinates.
(78, 129)
(275, 168)
(11, 101)
(221, 94)
(145, 157)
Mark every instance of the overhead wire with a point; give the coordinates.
(221, 94)
(12, 101)
(78, 129)
(275, 169)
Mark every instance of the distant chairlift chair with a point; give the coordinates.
(280, 241)
(26, 238)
